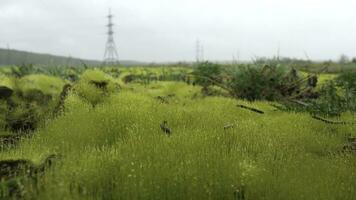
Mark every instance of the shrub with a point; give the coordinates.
(24, 117)
(266, 83)
(32, 99)
(330, 103)
(22, 70)
(207, 74)
(347, 81)
(94, 86)
(48, 85)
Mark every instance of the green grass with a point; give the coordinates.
(326, 77)
(47, 84)
(6, 81)
(322, 78)
(117, 150)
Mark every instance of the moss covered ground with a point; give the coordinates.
(116, 150)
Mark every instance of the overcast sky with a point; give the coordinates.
(167, 30)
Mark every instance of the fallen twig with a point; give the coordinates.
(278, 107)
(331, 122)
(228, 126)
(251, 109)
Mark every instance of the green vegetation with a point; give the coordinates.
(107, 143)
(266, 83)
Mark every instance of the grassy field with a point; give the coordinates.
(116, 150)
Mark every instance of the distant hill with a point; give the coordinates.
(17, 57)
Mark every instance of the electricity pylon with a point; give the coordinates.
(111, 57)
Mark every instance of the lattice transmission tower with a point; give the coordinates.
(111, 57)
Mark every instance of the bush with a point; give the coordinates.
(32, 99)
(22, 70)
(330, 103)
(94, 86)
(48, 85)
(24, 117)
(347, 82)
(266, 83)
(207, 74)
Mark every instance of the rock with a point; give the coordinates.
(5, 92)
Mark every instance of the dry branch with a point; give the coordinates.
(332, 122)
(251, 109)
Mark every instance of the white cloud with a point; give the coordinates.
(161, 30)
